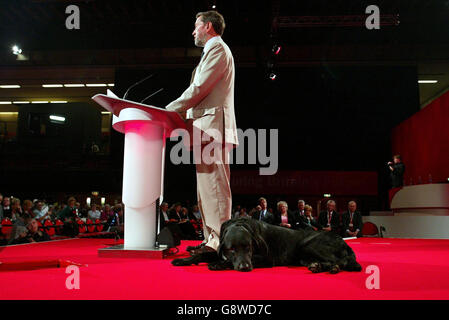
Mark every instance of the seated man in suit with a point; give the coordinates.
(283, 217)
(352, 221)
(299, 215)
(329, 219)
(307, 220)
(263, 214)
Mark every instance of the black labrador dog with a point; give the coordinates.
(247, 243)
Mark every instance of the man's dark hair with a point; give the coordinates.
(215, 18)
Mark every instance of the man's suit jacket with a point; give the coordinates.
(268, 217)
(397, 175)
(209, 100)
(335, 220)
(356, 221)
(303, 223)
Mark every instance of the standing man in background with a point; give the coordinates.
(397, 169)
(208, 107)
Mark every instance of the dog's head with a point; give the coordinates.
(239, 240)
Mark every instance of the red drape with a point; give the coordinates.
(423, 142)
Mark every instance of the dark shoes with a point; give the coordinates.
(203, 249)
(191, 248)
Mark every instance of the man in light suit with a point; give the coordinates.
(208, 107)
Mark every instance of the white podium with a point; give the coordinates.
(146, 129)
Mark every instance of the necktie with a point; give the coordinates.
(329, 214)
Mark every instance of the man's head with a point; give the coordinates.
(352, 206)
(71, 202)
(301, 204)
(397, 158)
(208, 24)
(1, 198)
(195, 208)
(39, 205)
(6, 201)
(263, 203)
(32, 226)
(93, 207)
(331, 205)
(177, 207)
(27, 205)
(164, 206)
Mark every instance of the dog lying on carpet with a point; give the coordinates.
(247, 243)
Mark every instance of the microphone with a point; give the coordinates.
(154, 93)
(137, 83)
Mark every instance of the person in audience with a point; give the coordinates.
(263, 214)
(329, 220)
(106, 213)
(185, 214)
(1, 207)
(299, 215)
(40, 212)
(196, 213)
(19, 235)
(236, 211)
(164, 218)
(284, 217)
(352, 221)
(16, 209)
(28, 207)
(175, 213)
(243, 213)
(68, 211)
(6, 205)
(34, 234)
(94, 213)
(307, 220)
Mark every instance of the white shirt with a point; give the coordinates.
(93, 215)
(209, 43)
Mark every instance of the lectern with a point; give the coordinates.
(146, 129)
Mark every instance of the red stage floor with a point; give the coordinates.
(409, 269)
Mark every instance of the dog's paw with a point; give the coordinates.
(216, 266)
(334, 269)
(181, 262)
(315, 267)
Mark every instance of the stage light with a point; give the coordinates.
(9, 86)
(214, 7)
(21, 102)
(427, 81)
(95, 193)
(57, 118)
(74, 85)
(276, 49)
(5, 102)
(327, 195)
(37, 102)
(62, 101)
(88, 201)
(16, 50)
(52, 85)
(8, 113)
(105, 112)
(103, 201)
(272, 76)
(111, 84)
(96, 85)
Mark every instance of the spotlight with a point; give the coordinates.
(272, 76)
(276, 49)
(214, 6)
(327, 195)
(57, 119)
(16, 50)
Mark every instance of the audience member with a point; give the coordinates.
(261, 213)
(16, 209)
(40, 212)
(352, 221)
(68, 212)
(93, 213)
(1, 207)
(307, 220)
(106, 213)
(196, 213)
(299, 215)
(329, 219)
(283, 217)
(34, 234)
(6, 207)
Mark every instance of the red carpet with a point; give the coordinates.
(409, 269)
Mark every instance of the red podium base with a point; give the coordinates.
(120, 252)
